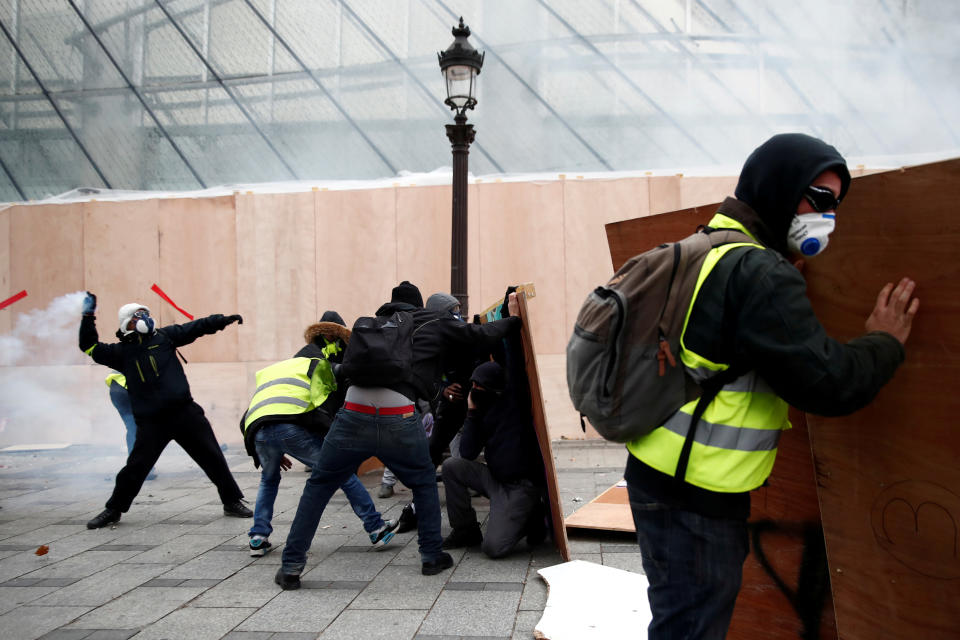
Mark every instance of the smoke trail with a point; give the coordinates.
(48, 391)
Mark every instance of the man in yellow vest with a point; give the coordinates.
(750, 320)
(289, 414)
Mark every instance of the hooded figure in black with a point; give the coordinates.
(751, 315)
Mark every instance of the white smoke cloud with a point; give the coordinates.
(48, 390)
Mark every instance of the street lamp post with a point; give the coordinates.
(460, 65)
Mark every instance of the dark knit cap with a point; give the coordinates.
(407, 292)
(332, 316)
(490, 375)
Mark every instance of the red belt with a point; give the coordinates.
(373, 411)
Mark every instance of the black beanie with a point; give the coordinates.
(777, 172)
(406, 292)
(332, 316)
(489, 375)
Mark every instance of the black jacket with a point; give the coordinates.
(506, 429)
(439, 335)
(155, 378)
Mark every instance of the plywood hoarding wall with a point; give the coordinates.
(281, 259)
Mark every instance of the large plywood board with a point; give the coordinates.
(889, 481)
(121, 259)
(276, 273)
(356, 259)
(512, 216)
(6, 288)
(198, 269)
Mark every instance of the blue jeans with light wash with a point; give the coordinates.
(121, 402)
(400, 443)
(694, 564)
(272, 442)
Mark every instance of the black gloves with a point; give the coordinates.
(89, 304)
(234, 318)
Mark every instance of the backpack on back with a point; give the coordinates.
(623, 369)
(380, 351)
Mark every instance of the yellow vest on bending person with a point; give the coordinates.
(735, 443)
(119, 378)
(290, 387)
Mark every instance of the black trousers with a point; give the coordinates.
(447, 421)
(187, 426)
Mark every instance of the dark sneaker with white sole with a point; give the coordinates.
(259, 546)
(384, 534)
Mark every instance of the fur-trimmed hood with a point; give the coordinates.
(329, 330)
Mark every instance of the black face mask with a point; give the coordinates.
(483, 399)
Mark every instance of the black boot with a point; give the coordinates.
(463, 537)
(237, 510)
(106, 517)
(408, 519)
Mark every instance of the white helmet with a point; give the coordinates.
(126, 314)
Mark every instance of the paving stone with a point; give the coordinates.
(13, 597)
(626, 561)
(212, 564)
(195, 624)
(154, 535)
(250, 587)
(464, 586)
(472, 613)
(248, 635)
(476, 567)
(375, 624)
(136, 608)
(83, 564)
(111, 634)
(350, 566)
(525, 624)
(104, 586)
(399, 587)
(28, 622)
(66, 634)
(178, 550)
(165, 582)
(301, 611)
(289, 635)
(535, 592)
(503, 586)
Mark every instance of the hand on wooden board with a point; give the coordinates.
(895, 310)
(512, 305)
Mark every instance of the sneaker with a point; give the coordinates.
(386, 491)
(463, 537)
(287, 581)
(106, 517)
(384, 534)
(408, 519)
(259, 546)
(237, 509)
(432, 568)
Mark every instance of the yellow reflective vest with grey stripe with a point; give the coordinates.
(289, 388)
(735, 443)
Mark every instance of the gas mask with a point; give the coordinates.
(809, 233)
(144, 323)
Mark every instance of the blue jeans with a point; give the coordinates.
(272, 442)
(694, 564)
(400, 444)
(121, 402)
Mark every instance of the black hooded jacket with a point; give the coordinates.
(752, 312)
(155, 378)
(438, 335)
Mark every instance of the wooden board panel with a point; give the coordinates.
(198, 269)
(121, 260)
(6, 286)
(275, 260)
(888, 475)
(609, 511)
(540, 424)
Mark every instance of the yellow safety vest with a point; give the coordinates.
(286, 389)
(119, 378)
(735, 443)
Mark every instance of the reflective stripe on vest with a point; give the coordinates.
(282, 389)
(735, 443)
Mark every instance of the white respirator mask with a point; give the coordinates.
(809, 233)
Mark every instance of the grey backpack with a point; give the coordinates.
(623, 369)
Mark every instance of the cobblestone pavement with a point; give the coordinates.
(176, 568)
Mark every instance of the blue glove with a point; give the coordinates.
(89, 304)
